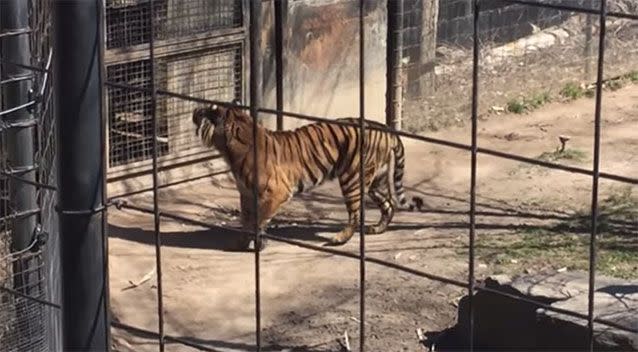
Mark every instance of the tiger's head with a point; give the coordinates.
(212, 123)
(212, 114)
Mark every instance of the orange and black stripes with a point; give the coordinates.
(295, 161)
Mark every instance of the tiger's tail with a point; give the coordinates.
(399, 190)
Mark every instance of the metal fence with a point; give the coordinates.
(29, 256)
(552, 47)
(601, 16)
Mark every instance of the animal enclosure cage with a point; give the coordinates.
(199, 52)
(481, 13)
(162, 58)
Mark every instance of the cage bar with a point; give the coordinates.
(255, 109)
(155, 155)
(255, 102)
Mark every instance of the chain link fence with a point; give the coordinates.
(525, 52)
(29, 256)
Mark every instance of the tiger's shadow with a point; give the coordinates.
(216, 238)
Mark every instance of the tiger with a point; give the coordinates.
(294, 161)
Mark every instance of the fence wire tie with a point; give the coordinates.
(6, 125)
(40, 238)
(118, 203)
(14, 32)
(14, 171)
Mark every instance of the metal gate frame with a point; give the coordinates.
(208, 42)
(471, 284)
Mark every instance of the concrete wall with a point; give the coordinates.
(321, 50)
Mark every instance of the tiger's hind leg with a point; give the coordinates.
(380, 194)
(350, 190)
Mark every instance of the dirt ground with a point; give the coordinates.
(309, 299)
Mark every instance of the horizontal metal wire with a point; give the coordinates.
(572, 9)
(16, 108)
(29, 182)
(18, 215)
(34, 299)
(155, 335)
(456, 145)
(17, 79)
(166, 185)
(381, 262)
(28, 67)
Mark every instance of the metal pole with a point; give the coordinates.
(14, 15)
(20, 139)
(280, 8)
(81, 174)
(394, 65)
(474, 151)
(156, 210)
(596, 175)
(362, 190)
(255, 102)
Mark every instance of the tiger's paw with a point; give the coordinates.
(242, 244)
(341, 238)
(416, 204)
(261, 242)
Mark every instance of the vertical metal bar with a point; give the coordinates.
(394, 65)
(156, 211)
(104, 153)
(280, 8)
(596, 169)
(255, 102)
(475, 102)
(81, 174)
(362, 192)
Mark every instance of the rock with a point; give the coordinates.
(506, 323)
(616, 303)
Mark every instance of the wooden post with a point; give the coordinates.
(421, 72)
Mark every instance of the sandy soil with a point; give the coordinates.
(309, 299)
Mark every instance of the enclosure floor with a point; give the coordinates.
(309, 299)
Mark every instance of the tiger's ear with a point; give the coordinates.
(236, 101)
(214, 107)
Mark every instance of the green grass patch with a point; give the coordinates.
(525, 104)
(572, 91)
(567, 154)
(565, 243)
(541, 249)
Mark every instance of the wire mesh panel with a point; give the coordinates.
(548, 48)
(127, 20)
(214, 73)
(199, 52)
(28, 275)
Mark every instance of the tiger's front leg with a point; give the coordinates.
(269, 203)
(246, 204)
